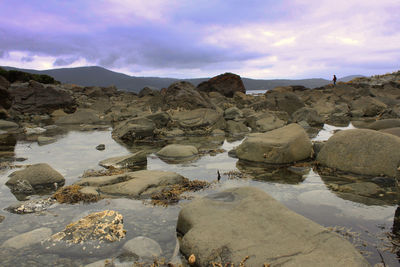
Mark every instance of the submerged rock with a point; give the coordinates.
(362, 151)
(28, 239)
(143, 248)
(284, 145)
(40, 176)
(31, 206)
(246, 223)
(44, 140)
(94, 234)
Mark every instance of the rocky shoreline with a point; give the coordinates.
(279, 127)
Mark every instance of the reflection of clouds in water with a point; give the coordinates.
(72, 153)
(328, 130)
(347, 208)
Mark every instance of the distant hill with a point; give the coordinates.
(349, 78)
(98, 76)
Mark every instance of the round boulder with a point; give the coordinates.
(40, 176)
(362, 151)
(226, 84)
(143, 247)
(178, 151)
(284, 145)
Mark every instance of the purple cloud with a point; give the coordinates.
(260, 39)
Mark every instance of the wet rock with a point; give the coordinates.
(94, 234)
(384, 124)
(178, 152)
(2, 218)
(199, 119)
(184, 95)
(39, 176)
(134, 130)
(101, 147)
(22, 187)
(34, 130)
(362, 151)
(44, 140)
(8, 125)
(363, 189)
(75, 193)
(226, 84)
(236, 128)
(143, 248)
(283, 145)
(240, 222)
(142, 184)
(7, 142)
(28, 239)
(285, 101)
(317, 146)
(81, 116)
(384, 181)
(102, 263)
(395, 131)
(309, 115)
(133, 161)
(31, 206)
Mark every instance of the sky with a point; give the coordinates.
(264, 39)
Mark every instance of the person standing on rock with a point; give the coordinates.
(334, 80)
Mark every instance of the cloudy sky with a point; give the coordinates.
(202, 38)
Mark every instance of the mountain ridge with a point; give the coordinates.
(99, 76)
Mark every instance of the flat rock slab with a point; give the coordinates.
(132, 161)
(143, 183)
(284, 145)
(239, 222)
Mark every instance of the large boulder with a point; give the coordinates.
(226, 84)
(184, 95)
(362, 151)
(147, 91)
(236, 128)
(81, 116)
(143, 247)
(8, 125)
(37, 98)
(142, 184)
(284, 145)
(5, 97)
(229, 226)
(39, 176)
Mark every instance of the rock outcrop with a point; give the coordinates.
(284, 145)
(229, 226)
(226, 84)
(184, 95)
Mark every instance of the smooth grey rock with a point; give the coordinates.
(177, 151)
(28, 239)
(143, 247)
(239, 222)
(362, 151)
(38, 175)
(284, 145)
(82, 116)
(101, 147)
